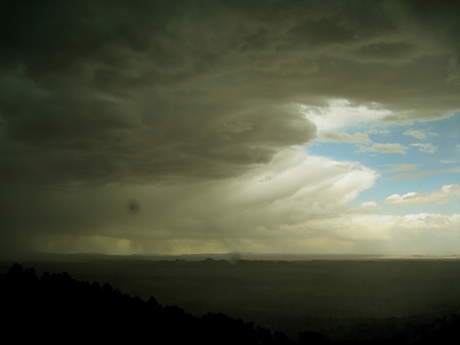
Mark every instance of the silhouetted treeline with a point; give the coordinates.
(57, 308)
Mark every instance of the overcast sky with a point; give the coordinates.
(169, 127)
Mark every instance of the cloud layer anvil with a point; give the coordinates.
(203, 112)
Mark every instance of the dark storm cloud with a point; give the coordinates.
(96, 93)
(95, 87)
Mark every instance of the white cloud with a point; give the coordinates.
(446, 161)
(428, 148)
(412, 233)
(342, 114)
(365, 207)
(445, 195)
(384, 148)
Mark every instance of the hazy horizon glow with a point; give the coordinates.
(164, 127)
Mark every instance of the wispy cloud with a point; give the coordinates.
(424, 173)
(344, 137)
(419, 134)
(413, 175)
(428, 148)
(451, 170)
(401, 167)
(378, 131)
(384, 148)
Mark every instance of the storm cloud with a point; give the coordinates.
(183, 106)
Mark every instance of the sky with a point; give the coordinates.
(183, 127)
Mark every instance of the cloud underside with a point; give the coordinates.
(196, 110)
